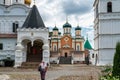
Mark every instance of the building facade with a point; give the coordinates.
(23, 35)
(106, 29)
(66, 48)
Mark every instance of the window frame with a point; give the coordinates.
(109, 7)
(1, 46)
(15, 26)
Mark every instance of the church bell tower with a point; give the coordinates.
(106, 30)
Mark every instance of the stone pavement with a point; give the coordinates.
(83, 72)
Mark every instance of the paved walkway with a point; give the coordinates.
(84, 72)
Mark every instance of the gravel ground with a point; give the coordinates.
(61, 72)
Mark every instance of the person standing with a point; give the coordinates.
(43, 66)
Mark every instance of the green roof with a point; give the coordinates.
(55, 28)
(67, 25)
(78, 28)
(59, 33)
(50, 34)
(87, 45)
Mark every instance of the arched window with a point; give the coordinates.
(16, 0)
(109, 7)
(78, 48)
(3, 1)
(1, 46)
(55, 48)
(15, 26)
(93, 55)
(66, 30)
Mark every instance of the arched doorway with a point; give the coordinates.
(66, 55)
(34, 52)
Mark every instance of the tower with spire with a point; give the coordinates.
(106, 29)
(55, 31)
(67, 28)
(36, 39)
(78, 31)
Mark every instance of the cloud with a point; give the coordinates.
(55, 11)
(76, 7)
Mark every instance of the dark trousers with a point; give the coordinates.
(42, 73)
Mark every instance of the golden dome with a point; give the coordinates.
(28, 2)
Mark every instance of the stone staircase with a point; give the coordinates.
(34, 58)
(65, 60)
(33, 61)
(30, 65)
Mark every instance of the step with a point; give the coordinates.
(32, 65)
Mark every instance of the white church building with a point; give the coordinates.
(106, 29)
(23, 35)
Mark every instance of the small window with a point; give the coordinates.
(55, 48)
(109, 7)
(78, 48)
(15, 26)
(3, 1)
(16, 0)
(1, 46)
(92, 55)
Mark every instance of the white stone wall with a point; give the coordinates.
(103, 5)
(19, 1)
(32, 35)
(106, 31)
(7, 2)
(105, 56)
(11, 14)
(8, 48)
(7, 17)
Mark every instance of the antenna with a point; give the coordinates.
(66, 18)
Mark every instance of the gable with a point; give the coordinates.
(66, 41)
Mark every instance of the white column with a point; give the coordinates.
(18, 55)
(46, 53)
(72, 62)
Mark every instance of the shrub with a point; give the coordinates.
(116, 62)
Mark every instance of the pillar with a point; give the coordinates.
(18, 55)
(46, 53)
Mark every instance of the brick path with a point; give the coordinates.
(81, 72)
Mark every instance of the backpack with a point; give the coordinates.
(39, 68)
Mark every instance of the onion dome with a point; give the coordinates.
(28, 2)
(59, 33)
(78, 28)
(67, 25)
(55, 29)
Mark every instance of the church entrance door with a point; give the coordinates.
(66, 55)
(34, 51)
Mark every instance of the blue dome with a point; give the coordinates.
(67, 25)
(78, 28)
(55, 28)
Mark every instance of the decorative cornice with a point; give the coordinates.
(34, 29)
(8, 35)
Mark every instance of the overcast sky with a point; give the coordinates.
(78, 12)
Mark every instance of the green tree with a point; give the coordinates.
(116, 62)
